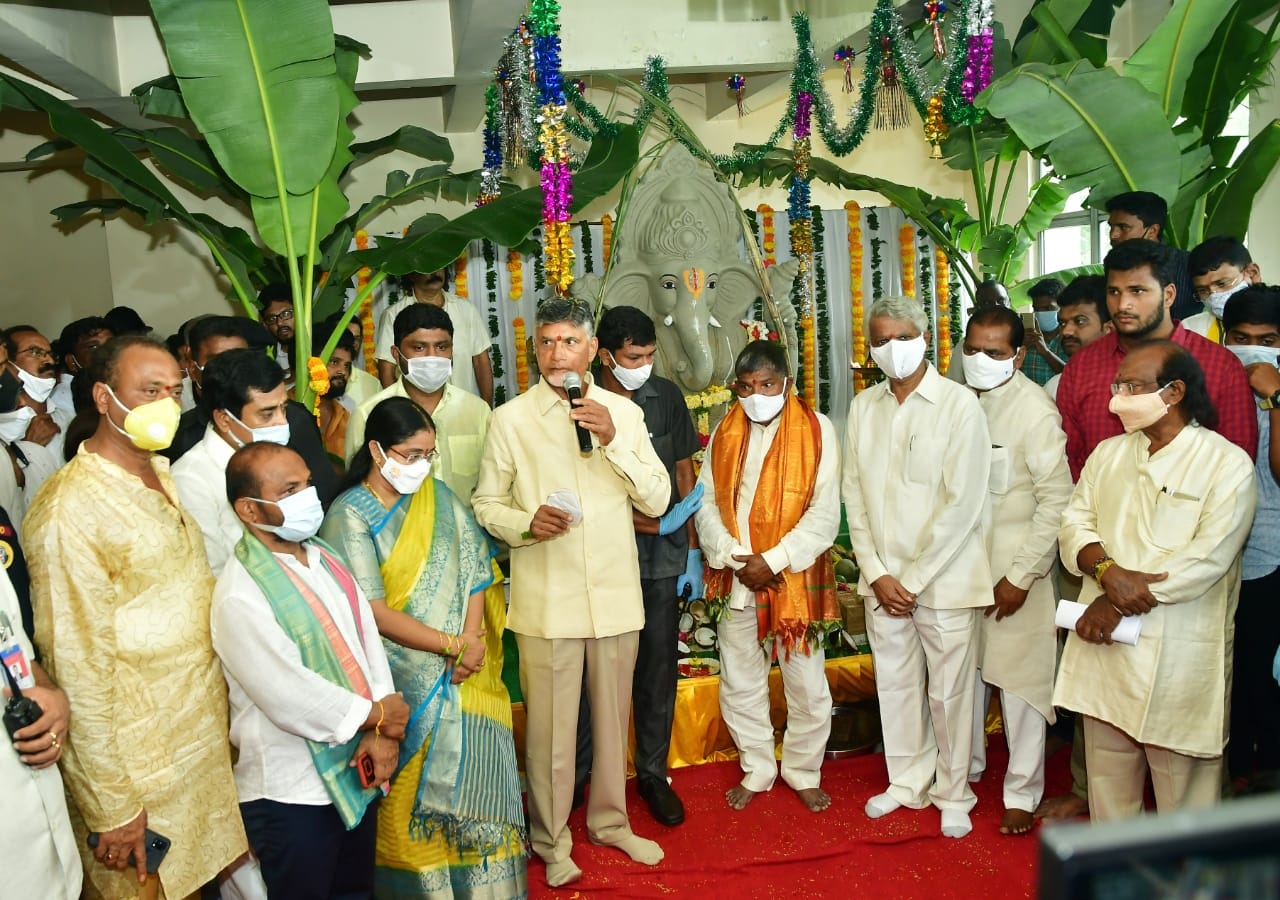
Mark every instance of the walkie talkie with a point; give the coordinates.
(19, 711)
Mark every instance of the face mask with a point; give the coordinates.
(38, 389)
(150, 426)
(1138, 411)
(984, 373)
(13, 425)
(632, 379)
(1047, 320)
(406, 478)
(1217, 302)
(302, 516)
(763, 408)
(899, 359)
(271, 434)
(1248, 354)
(428, 373)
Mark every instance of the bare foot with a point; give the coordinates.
(1068, 806)
(739, 796)
(814, 799)
(1017, 821)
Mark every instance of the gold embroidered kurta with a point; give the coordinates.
(122, 589)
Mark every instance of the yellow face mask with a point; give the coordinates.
(150, 426)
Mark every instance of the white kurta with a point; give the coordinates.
(201, 478)
(470, 337)
(1185, 510)
(1030, 486)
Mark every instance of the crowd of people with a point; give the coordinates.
(264, 642)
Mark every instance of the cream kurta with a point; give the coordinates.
(122, 590)
(1030, 486)
(915, 491)
(1186, 510)
(584, 583)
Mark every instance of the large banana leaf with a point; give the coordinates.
(161, 97)
(1018, 292)
(1229, 205)
(1100, 130)
(1164, 61)
(1085, 22)
(1236, 62)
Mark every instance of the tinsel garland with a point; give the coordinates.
(518, 96)
(366, 309)
(522, 355)
(980, 45)
(942, 269)
(957, 100)
(877, 277)
(460, 276)
(491, 173)
(769, 245)
(926, 290)
(588, 262)
(515, 268)
(822, 309)
(553, 142)
(907, 251)
(606, 239)
(935, 126)
(858, 313)
(800, 224)
(489, 251)
(809, 355)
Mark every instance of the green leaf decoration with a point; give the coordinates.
(84, 209)
(1068, 113)
(1236, 62)
(1018, 291)
(184, 159)
(410, 139)
(1228, 205)
(162, 98)
(1164, 62)
(1083, 21)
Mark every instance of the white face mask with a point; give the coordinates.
(1248, 354)
(764, 408)
(302, 516)
(631, 379)
(1217, 302)
(983, 373)
(428, 373)
(899, 359)
(271, 434)
(406, 478)
(14, 424)
(38, 389)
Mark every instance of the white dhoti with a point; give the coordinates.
(1024, 732)
(744, 705)
(925, 682)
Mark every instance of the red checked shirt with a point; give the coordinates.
(1084, 394)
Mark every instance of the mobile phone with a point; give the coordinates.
(368, 777)
(157, 846)
(1029, 321)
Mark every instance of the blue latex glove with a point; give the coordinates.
(693, 577)
(679, 514)
(1275, 666)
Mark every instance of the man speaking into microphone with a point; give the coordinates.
(575, 576)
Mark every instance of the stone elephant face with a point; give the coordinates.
(696, 304)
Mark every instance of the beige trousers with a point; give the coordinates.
(551, 680)
(1118, 768)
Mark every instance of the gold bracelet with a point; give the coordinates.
(1101, 566)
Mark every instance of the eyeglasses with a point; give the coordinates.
(37, 352)
(284, 315)
(410, 458)
(1131, 387)
(1216, 287)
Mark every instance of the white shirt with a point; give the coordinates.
(915, 491)
(796, 550)
(61, 396)
(41, 463)
(470, 337)
(201, 478)
(1051, 386)
(277, 704)
(1202, 324)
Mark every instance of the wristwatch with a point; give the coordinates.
(1272, 402)
(1101, 566)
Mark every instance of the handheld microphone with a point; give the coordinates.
(573, 387)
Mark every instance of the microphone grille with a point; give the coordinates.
(572, 380)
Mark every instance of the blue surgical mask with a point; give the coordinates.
(271, 434)
(302, 516)
(1047, 319)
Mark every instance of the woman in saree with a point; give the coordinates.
(452, 825)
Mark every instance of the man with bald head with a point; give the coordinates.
(312, 701)
(121, 589)
(1156, 525)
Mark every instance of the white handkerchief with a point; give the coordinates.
(1069, 612)
(566, 501)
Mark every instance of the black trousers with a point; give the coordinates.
(653, 690)
(1255, 696)
(307, 853)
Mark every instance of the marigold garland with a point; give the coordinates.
(460, 276)
(942, 268)
(854, 215)
(515, 268)
(522, 355)
(366, 310)
(907, 250)
(606, 241)
(317, 381)
(770, 244)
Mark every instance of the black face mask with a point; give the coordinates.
(9, 388)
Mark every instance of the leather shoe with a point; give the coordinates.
(664, 805)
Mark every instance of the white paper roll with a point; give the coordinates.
(1069, 612)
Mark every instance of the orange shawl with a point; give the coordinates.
(783, 492)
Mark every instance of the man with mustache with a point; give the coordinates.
(1083, 317)
(31, 359)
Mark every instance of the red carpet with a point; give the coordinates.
(776, 848)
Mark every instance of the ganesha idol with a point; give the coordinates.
(679, 260)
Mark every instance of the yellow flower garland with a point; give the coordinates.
(606, 242)
(366, 309)
(515, 266)
(766, 226)
(522, 355)
(907, 250)
(460, 276)
(701, 405)
(942, 282)
(854, 215)
(809, 347)
(318, 381)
